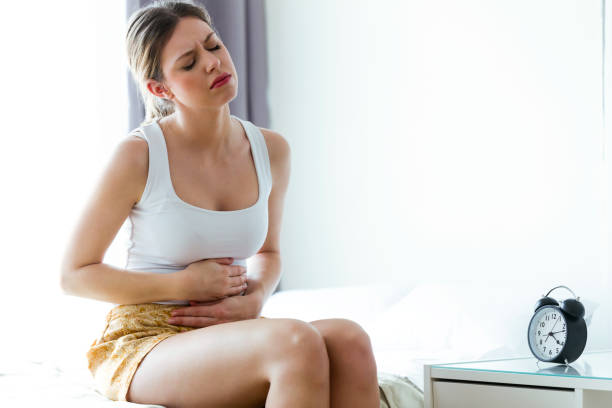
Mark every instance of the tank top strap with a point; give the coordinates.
(158, 181)
(259, 150)
(159, 185)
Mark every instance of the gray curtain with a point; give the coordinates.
(242, 27)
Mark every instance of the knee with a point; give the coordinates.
(351, 343)
(293, 335)
(351, 337)
(299, 344)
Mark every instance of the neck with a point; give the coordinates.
(205, 131)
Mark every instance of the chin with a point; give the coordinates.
(228, 95)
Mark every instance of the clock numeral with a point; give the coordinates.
(550, 352)
(547, 317)
(540, 342)
(557, 350)
(539, 333)
(544, 348)
(554, 316)
(542, 324)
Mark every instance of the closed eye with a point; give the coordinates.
(188, 67)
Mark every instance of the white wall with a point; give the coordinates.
(480, 156)
(445, 140)
(65, 110)
(436, 140)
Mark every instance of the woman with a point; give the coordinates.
(189, 243)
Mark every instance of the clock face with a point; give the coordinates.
(547, 333)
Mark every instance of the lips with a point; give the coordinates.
(219, 79)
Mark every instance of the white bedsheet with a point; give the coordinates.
(51, 383)
(410, 326)
(57, 375)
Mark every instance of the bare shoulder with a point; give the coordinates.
(280, 166)
(119, 187)
(131, 160)
(278, 148)
(135, 150)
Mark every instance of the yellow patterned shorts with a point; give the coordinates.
(131, 331)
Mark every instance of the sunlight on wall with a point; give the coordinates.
(429, 140)
(67, 80)
(451, 140)
(499, 146)
(443, 140)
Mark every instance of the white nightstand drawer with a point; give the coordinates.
(449, 394)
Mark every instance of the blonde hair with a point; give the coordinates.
(149, 29)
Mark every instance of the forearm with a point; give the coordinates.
(121, 286)
(263, 274)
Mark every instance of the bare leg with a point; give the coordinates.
(353, 372)
(307, 364)
(249, 363)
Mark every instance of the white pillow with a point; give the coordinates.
(472, 317)
(358, 303)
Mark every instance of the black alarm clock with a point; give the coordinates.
(557, 331)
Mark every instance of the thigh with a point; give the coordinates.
(217, 366)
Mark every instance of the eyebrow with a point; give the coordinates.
(191, 51)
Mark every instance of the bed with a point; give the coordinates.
(409, 325)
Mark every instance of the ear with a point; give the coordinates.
(158, 89)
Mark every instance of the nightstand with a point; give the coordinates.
(521, 383)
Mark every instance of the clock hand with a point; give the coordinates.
(560, 331)
(553, 328)
(551, 331)
(558, 342)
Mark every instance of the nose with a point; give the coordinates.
(211, 61)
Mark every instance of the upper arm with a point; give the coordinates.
(280, 166)
(119, 188)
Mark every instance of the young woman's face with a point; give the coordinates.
(191, 61)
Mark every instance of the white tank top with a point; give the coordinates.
(167, 233)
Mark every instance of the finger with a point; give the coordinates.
(238, 289)
(207, 302)
(224, 261)
(236, 270)
(191, 311)
(192, 321)
(238, 280)
(214, 302)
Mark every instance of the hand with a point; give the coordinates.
(212, 279)
(229, 309)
